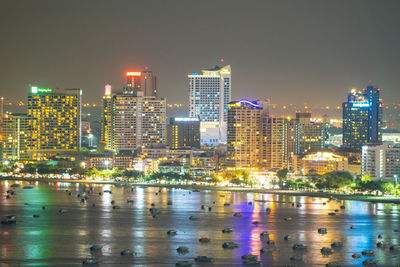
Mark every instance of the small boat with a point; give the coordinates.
(89, 261)
(116, 207)
(255, 222)
(333, 264)
(204, 240)
(252, 262)
(196, 190)
(268, 210)
(288, 218)
(322, 231)
(27, 186)
(15, 185)
(202, 207)
(127, 252)
(326, 251)
(356, 256)
(264, 234)
(299, 247)
(271, 242)
(331, 214)
(394, 247)
(44, 207)
(337, 245)
(296, 258)
(61, 211)
(250, 203)
(184, 263)
(107, 191)
(9, 219)
(182, 250)
(203, 259)
(129, 200)
(112, 202)
(238, 214)
(370, 262)
(342, 207)
(95, 248)
(249, 257)
(380, 236)
(226, 204)
(171, 232)
(230, 245)
(227, 230)
(352, 227)
(336, 210)
(193, 218)
(267, 249)
(287, 237)
(222, 195)
(36, 215)
(299, 205)
(209, 208)
(368, 252)
(169, 202)
(381, 244)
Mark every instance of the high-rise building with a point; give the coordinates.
(131, 120)
(183, 133)
(54, 121)
(209, 95)
(15, 131)
(309, 135)
(381, 161)
(244, 135)
(274, 143)
(362, 118)
(149, 83)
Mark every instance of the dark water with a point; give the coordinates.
(56, 239)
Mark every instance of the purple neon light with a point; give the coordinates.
(248, 102)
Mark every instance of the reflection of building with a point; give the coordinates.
(183, 132)
(244, 134)
(381, 161)
(131, 120)
(319, 163)
(15, 132)
(362, 118)
(210, 93)
(54, 121)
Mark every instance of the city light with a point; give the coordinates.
(133, 73)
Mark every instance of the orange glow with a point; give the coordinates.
(133, 73)
(107, 90)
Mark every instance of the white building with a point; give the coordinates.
(210, 93)
(381, 161)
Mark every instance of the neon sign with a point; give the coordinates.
(36, 90)
(361, 105)
(248, 102)
(133, 73)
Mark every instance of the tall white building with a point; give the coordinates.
(209, 95)
(381, 161)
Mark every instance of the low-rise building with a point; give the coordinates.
(319, 163)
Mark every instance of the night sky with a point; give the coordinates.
(292, 51)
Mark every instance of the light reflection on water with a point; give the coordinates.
(55, 239)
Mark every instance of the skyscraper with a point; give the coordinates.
(362, 118)
(209, 95)
(244, 135)
(15, 131)
(183, 132)
(274, 143)
(54, 121)
(149, 83)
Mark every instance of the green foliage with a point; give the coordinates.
(282, 173)
(335, 180)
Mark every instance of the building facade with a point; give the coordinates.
(381, 161)
(319, 163)
(15, 135)
(209, 95)
(362, 118)
(275, 143)
(244, 135)
(183, 133)
(309, 135)
(54, 121)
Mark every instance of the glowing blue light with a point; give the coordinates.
(249, 102)
(361, 105)
(195, 73)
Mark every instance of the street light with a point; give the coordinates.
(106, 163)
(83, 164)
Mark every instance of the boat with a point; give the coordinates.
(36, 215)
(250, 203)
(287, 237)
(252, 262)
(116, 207)
(394, 247)
(299, 247)
(342, 207)
(337, 245)
(204, 240)
(322, 231)
(127, 252)
(9, 219)
(255, 222)
(331, 214)
(333, 264)
(264, 234)
(267, 249)
(27, 186)
(193, 218)
(95, 248)
(326, 251)
(370, 262)
(61, 211)
(238, 214)
(230, 245)
(184, 263)
(203, 259)
(268, 210)
(169, 202)
(356, 256)
(352, 227)
(171, 232)
(15, 185)
(271, 242)
(381, 244)
(249, 257)
(227, 230)
(368, 252)
(296, 258)
(129, 200)
(299, 205)
(288, 218)
(226, 204)
(182, 250)
(107, 191)
(89, 261)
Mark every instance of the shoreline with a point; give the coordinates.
(372, 199)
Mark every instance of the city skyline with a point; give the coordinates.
(294, 51)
